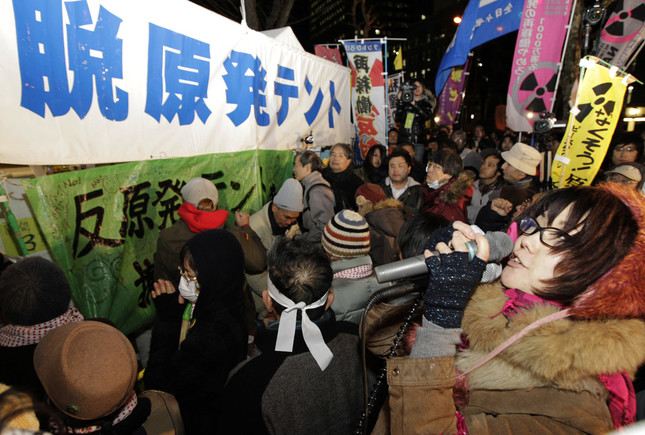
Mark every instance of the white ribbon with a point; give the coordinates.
(287, 328)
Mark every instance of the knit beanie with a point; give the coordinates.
(198, 189)
(33, 291)
(289, 197)
(346, 235)
(372, 192)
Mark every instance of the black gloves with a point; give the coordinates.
(452, 280)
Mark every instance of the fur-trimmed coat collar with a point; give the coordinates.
(566, 354)
(460, 187)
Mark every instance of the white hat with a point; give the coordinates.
(523, 157)
(627, 171)
(289, 197)
(198, 189)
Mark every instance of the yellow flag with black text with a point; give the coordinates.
(398, 60)
(592, 122)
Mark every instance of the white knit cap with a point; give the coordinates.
(199, 188)
(287, 328)
(289, 197)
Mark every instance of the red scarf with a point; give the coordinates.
(17, 336)
(199, 220)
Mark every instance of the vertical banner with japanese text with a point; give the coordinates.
(368, 92)
(536, 61)
(394, 82)
(451, 96)
(592, 122)
(102, 224)
(105, 81)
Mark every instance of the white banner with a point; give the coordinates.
(368, 92)
(95, 81)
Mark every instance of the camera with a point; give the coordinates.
(594, 14)
(308, 139)
(407, 92)
(544, 123)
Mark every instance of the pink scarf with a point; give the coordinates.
(17, 336)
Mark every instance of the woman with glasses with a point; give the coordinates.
(548, 348)
(448, 189)
(216, 340)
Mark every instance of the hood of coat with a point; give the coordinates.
(457, 189)
(219, 262)
(566, 353)
(387, 219)
(619, 293)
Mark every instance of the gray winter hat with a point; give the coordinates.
(199, 188)
(289, 196)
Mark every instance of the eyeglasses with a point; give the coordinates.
(549, 236)
(625, 149)
(434, 166)
(187, 277)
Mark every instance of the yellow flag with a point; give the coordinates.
(592, 123)
(398, 60)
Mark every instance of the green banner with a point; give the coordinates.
(102, 224)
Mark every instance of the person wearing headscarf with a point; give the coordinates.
(193, 364)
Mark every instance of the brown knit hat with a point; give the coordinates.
(372, 192)
(87, 368)
(346, 235)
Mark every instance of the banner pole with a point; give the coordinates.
(11, 220)
(385, 103)
(564, 51)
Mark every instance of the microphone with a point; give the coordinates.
(501, 246)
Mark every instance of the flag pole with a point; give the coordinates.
(564, 51)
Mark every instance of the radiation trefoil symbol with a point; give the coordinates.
(625, 25)
(533, 90)
(600, 101)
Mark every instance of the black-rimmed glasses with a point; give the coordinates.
(549, 236)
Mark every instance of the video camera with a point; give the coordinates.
(407, 92)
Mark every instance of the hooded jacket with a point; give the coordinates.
(548, 380)
(451, 199)
(217, 340)
(385, 221)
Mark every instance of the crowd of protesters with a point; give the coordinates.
(257, 325)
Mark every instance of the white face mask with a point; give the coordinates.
(435, 184)
(189, 290)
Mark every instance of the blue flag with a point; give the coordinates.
(483, 20)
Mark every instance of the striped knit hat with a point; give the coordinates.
(346, 235)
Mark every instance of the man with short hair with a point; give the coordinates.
(469, 157)
(318, 197)
(488, 186)
(399, 185)
(277, 218)
(418, 170)
(307, 378)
